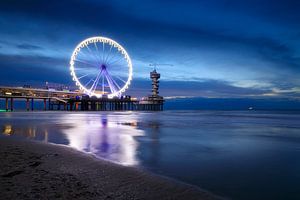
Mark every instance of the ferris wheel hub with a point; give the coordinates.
(103, 67)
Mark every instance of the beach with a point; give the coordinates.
(238, 155)
(35, 170)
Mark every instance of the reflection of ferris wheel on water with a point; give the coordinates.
(100, 66)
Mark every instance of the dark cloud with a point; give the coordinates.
(37, 69)
(33, 60)
(28, 47)
(205, 88)
(107, 18)
(208, 88)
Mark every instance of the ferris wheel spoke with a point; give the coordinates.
(83, 76)
(116, 73)
(116, 84)
(86, 55)
(98, 53)
(91, 80)
(87, 63)
(96, 81)
(88, 82)
(115, 61)
(117, 67)
(111, 58)
(79, 69)
(105, 61)
(87, 46)
(103, 54)
(115, 58)
(119, 78)
(113, 81)
(102, 84)
(110, 83)
(118, 63)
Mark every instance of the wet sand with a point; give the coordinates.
(34, 170)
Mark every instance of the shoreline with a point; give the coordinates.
(36, 170)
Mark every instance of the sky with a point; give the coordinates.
(218, 48)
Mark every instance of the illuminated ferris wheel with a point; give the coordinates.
(100, 66)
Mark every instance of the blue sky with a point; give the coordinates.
(219, 48)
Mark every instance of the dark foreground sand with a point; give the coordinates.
(33, 170)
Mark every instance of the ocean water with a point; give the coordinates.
(236, 154)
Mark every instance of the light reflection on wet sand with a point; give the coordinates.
(104, 138)
(101, 136)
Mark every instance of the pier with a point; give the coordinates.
(84, 104)
(31, 95)
(72, 101)
(78, 101)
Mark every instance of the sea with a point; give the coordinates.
(243, 155)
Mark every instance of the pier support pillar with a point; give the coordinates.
(82, 105)
(11, 104)
(32, 104)
(49, 103)
(27, 104)
(71, 106)
(45, 104)
(6, 104)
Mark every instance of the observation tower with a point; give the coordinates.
(155, 83)
(153, 101)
